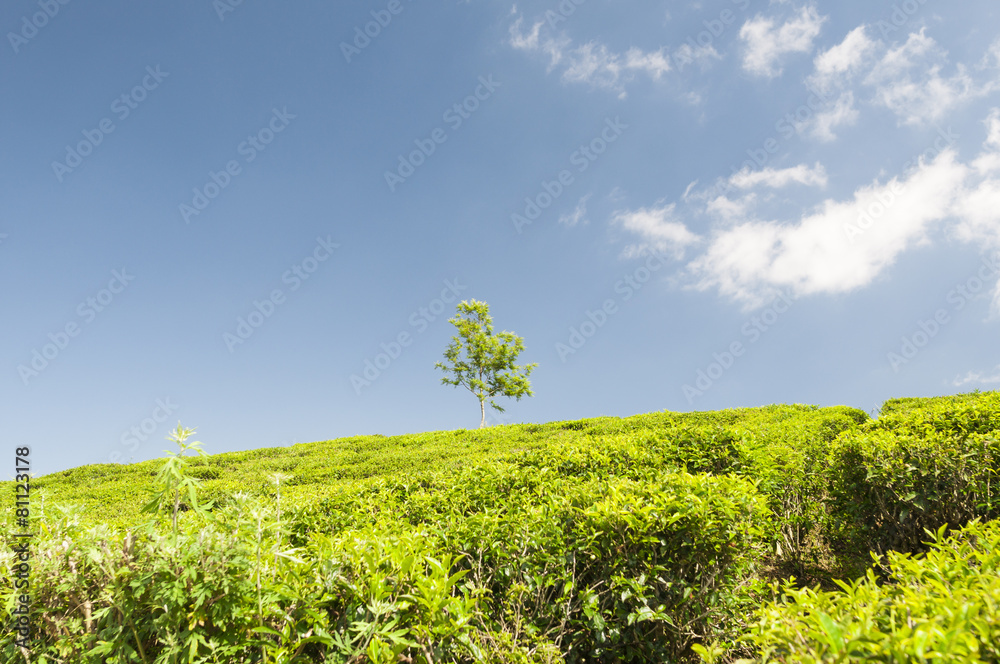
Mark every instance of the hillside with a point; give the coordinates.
(114, 493)
(657, 537)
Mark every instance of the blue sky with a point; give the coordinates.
(219, 213)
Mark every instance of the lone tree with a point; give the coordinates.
(483, 361)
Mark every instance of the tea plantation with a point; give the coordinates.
(786, 533)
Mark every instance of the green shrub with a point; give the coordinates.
(619, 570)
(139, 598)
(784, 449)
(888, 485)
(942, 606)
(601, 540)
(635, 566)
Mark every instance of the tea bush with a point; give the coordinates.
(635, 539)
(917, 467)
(942, 606)
(504, 562)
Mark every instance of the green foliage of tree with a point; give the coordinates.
(483, 361)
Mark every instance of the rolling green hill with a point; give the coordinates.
(114, 493)
(657, 537)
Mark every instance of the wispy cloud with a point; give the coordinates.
(592, 62)
(777, 178)
(838, 64)
(658, 228)
(843, 112)
(578, 215)
(687, 54)
(766, 43)
(911, 80)
(750, 261)
(839, 244)
(980, 377)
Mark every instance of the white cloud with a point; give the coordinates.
(988, 162)
(898, 61)
(837, 245)
(777, 178)
(533, 41)
(908, 81)
(578, 215)
(522, 41)
(688, 189)
(659, 229)
(653, 63)
(991, 60)
(981, 377)
(592, 62)
(766, 44)
(978, 206)
(979, 212)
(993, 129)
(928, 99)
(843, 245)
(686, 54)
(839, 63)
(842, 113)
(749, 262)
(728, 209)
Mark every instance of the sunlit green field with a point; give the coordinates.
(658, 537)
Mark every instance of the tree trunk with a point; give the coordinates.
(482, 407)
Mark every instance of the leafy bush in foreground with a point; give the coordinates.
(783, 449)
(610, 569)
(942, 606)
(915, 468)
(495, 563)
(602, 540)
